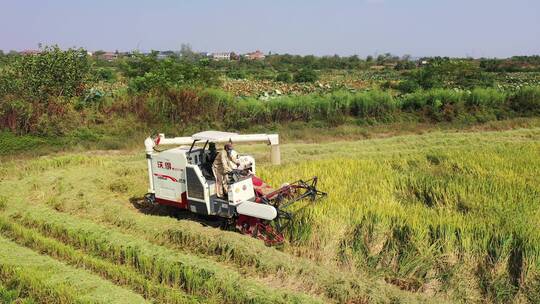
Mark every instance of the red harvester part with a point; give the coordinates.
(259, 229)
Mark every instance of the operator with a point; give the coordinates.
(226, 161)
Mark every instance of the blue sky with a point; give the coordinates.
(477, 28)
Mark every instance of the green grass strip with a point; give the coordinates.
(193, 274)
(53, 282)
(119, 274)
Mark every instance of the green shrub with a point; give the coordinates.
(526, 100)
(486, 98)
(104, 74)
(237, 74)
(306, 75)
(284, 77)
(408, 86)
(436, 104)
(450, 73)
(16, 115)
(15, 143)
(265, 75)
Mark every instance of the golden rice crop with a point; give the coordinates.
(431, 216)
(440, 214)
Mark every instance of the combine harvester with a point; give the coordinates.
(182, 177)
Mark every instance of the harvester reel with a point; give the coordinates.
(259, 229)
(285, 197)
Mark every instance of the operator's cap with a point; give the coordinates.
(228, 147)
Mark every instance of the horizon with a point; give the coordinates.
(177, 51)
(483, 29)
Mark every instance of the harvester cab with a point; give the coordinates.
(182, 177)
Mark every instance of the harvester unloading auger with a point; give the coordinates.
(182, 177)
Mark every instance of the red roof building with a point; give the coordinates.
(30, 52)
(257, 55)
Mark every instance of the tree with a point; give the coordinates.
(147, 73)
(52, 72)
(186, 52)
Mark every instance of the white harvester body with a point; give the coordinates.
(182, 176)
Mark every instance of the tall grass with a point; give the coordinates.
(480, 104)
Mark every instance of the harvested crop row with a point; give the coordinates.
(119, 274)
(53, 282)
(246, 252)
(281, 270)
(11, 293)
(194, 275)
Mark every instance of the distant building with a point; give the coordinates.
(165, 54)
(257, 55)
(109, 56)
(221, 56)
(30, 52)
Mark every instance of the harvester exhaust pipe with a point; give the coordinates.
(275, 156)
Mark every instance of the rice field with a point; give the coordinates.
(432, 218)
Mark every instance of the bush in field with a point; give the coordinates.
(104, 74)
(138, 64)
(306, 75)
(405, 65)
(284, 77)
(264, 75)
(408, 86)
(16, 115)
(237, 74)
(437, 104)
(447, 73)
(53, 117)
(526, 100)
